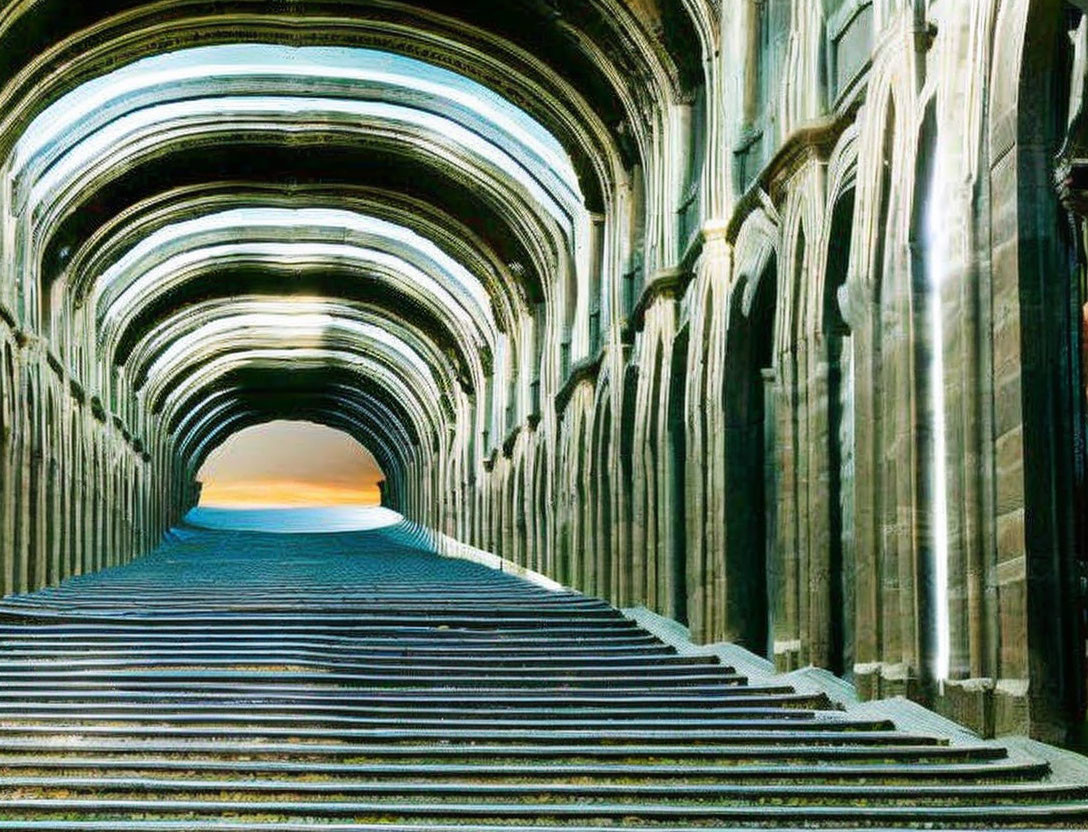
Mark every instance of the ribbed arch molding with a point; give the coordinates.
(133, 133)
(316, 225)
(327, 83)
(360, 74)
(189, 328)
(356, 403)
(174, 255)
(443, 235)
(170, 397)
(544, 62)
(507, 200)
(189, 375)
(366, 417)
(299, 330)
(289, 260)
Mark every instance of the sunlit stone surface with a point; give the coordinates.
(358, 681)
(766, 316)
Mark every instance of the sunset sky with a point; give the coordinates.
(289, 464)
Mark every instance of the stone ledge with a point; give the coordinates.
(1065, 766)
(449, 547)
(907, 715)
(810, 680)
(585, 370)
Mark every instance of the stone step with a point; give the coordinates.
(814, 732)
(452, 583)
(535, 665)
(594, 614)
(554, 639)
(389, 668)
(988, 770)
(190, 586)
(138, 643)
(511, 595)
(1070, 811)
(390, 689)
(111, 787)
(301, 710)
(333, 598)
(15, 787)
(495, 697)
(326, 604)
(257, 688)
(192, 677)
(770, 718)
(514, 592)
(564, 620)
(196, 824)
(803, 723)
(747, 750)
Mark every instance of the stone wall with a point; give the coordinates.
(791, 348)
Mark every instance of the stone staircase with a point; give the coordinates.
(240, 680)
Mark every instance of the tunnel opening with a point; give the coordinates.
(289, 464)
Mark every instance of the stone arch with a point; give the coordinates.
(97, 509)
(114, 504)
(755, 246)
(902, 438)
(676, 492)
(867, 287)
(54, 527)
(576, 485)
(585, 555)
(565, 499)
(796, 555)
(839, 358)
(597, 115)
(568, 316)
(31, 547)
(634, 273)
(651, 574)
(542, 542)
(603, 511)
(749, 464)
(1037, 356)
(932, 577)
(76, 484)
(520, 511)
(7, 491)
(626, 591)
(704, 520)
(501, 503)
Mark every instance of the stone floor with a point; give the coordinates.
(247, 680)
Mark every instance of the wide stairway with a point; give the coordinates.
(240, 680)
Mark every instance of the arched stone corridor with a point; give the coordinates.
(236, 679)
(766, 315)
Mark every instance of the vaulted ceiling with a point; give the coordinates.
(366, 213)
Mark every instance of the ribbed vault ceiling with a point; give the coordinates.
(368, 214)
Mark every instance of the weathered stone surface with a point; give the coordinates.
(359, 681)
(643, 296)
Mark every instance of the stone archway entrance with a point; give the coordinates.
(1055, 133)
(750, 460)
